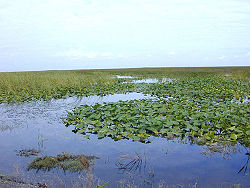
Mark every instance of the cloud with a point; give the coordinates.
(222, 57)
(112, 31)
(76, 54)
(206, 58)
(171, 53)
(236, 56)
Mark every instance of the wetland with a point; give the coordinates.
(149, 127)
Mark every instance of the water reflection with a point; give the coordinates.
(153, 80)
(120, 76)
(131, 163)
(27, 152)
(244, 170)
(51, 112)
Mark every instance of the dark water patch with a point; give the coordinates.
(27, 152)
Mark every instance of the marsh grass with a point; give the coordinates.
(25, 86)
(65, 161)
(22, 86)
(180, 72)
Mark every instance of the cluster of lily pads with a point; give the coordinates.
(208, 108)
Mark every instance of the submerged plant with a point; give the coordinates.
(27, 152)
(129, 163)
(245, 170)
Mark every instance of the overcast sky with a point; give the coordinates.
(84, 34)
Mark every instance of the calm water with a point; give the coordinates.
(38, 125)
(153, 80)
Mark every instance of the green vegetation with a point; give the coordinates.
(205, 106)
(209, 106)
(140, 119)
(25, 86)
(4, 177)
(12, 181)
(65, 161)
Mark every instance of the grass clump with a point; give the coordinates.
(65, 161)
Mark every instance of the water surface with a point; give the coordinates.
(38, 125)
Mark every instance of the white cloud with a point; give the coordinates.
(222, 57)
(236, 56)
(90, 55)
(149, 55)
(120, 55)
(82, 53)
(171, 53)
(206, 58)
(106, 54)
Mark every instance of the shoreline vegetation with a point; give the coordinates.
(210, 103)
(37, 85)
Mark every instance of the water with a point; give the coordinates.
(146, 80)
(119, 76)
(153, 80)
(38, 125)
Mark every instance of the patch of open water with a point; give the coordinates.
(153, 80)
(119, 76)
(146, 80)
(37, 125)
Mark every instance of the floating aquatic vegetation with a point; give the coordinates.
(140, 119)
(65, 161)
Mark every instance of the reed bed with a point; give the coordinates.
(25, 86)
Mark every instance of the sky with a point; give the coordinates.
(91, 34)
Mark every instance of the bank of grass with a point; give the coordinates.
(25, 86)
(180, 72)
